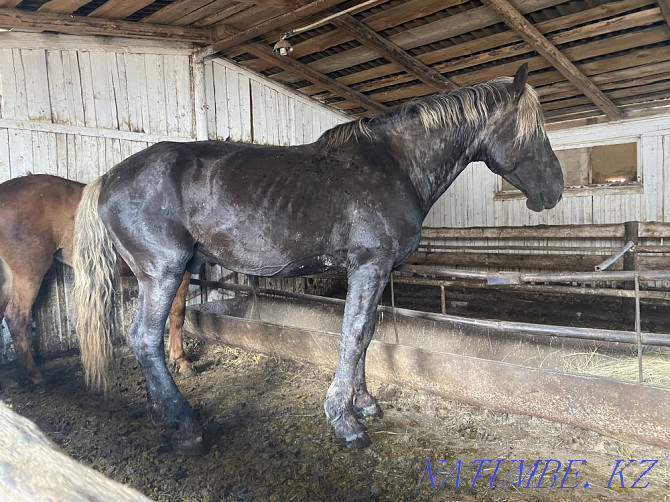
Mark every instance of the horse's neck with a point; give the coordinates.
(434, 159)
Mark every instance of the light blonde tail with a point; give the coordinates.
(94, 263)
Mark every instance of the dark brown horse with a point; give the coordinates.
(353, 201)
(36, 227)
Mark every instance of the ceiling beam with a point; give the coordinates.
(81, 25)
(665, 10)
(522, 27)
(393, 53)
(266, 26)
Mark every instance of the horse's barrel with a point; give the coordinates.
(32, 468)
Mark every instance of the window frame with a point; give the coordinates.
(632, 187)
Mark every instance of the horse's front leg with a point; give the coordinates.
(165, 402)
(365, 406)
(366, 284)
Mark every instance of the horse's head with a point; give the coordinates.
(515, 145)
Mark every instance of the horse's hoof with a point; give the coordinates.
(191, 445)
(189, 373)
(370, 411)
(359, 441)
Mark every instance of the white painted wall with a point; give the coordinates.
(471, 201)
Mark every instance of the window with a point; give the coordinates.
(596, 166)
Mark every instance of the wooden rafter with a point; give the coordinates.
(665, 9)
(81, 25)
(393, 53)
(264, 27)
(516, 22)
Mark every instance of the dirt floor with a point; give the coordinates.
(269, 440)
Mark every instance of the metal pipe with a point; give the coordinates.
(610, 261)
(602, 335)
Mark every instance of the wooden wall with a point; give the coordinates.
(75, 106)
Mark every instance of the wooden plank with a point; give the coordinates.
(104, 93)
(62, 6)
(155, 91)
(119, 9)
(20, 152)
(654, 229)
(174, 11)
(515, 20)
(272, 3)
(81, 25)
(518, 232)
(214, 9)
(5, 166)
(393, 53)
(60, 113)
(185, 103)
(240, 37)
(171, 84)
(210, 96)
(21, 103)
(9, 94)
(221, 15)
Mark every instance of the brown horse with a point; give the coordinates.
(36, 227)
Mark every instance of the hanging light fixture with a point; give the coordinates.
(283, 47)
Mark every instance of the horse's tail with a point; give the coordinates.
(94, 263)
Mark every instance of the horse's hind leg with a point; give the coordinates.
(178, 358)
(165, 402)
(365, 288)
(19, 321)
(365, 406)
(6, 280)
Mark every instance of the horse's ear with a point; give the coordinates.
(520, 81)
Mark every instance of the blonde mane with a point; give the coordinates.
(466, 106)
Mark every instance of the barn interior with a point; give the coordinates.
(575, 299)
